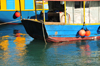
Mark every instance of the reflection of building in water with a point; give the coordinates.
(20, 43)
(88, 56)
(4, 43)
(96, 54)
(5, 37)
(20, 49)
(85, 48)
(84, 52)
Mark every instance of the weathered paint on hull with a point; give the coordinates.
(65, 39)
(61, 33)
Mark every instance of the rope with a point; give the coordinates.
(66, 17)
(9, 22)
(43, 33)
(83, 23)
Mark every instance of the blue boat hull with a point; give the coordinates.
(59, 33)
(70, 30)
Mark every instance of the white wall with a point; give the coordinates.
(92, 14)
(99, 12)
(70, 11)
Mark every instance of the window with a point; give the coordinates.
(39, 5)
(79, 4)
(29, 4)
(10, 4)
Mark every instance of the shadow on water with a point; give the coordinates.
(37, 46)
(36, 53)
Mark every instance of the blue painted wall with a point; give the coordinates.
(7, 16)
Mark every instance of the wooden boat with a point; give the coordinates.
(59, 32)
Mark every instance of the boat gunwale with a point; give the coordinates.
(61, 23)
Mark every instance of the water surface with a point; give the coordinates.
(19, 49)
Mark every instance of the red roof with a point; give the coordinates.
(71, 0)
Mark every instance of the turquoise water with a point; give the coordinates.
(19, 49)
